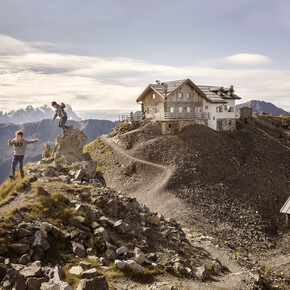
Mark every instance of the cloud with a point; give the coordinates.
(92, 85)
(246, 59)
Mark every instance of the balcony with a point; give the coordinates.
(166, 116)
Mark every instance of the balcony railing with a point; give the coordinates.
(166, 116)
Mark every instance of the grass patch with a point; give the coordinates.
(12, 187)
(96, 149)
(55, 208)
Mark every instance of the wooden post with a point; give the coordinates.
(287, 220)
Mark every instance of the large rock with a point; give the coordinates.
(69, 147)
(139, 256)
(78, 249)
(99, 283)
(34, 283)
(86, 168)
(32, 270)
(129, 264)
(47, 150)
(202, 273)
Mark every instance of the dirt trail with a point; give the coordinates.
(15, 202)
(160, 200)
(152, 192)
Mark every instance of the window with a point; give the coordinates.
(231, 109)
(180, 95)
(188, 109)
(153, 96)
(226, 107)
(188, 96)
(219, 109)
(213, 117)
(180, 109)
(206, 107)
(171, 109)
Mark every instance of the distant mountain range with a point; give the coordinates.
(30, 114)
(46, 131)
(261, 106)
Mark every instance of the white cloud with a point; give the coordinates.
(246, 59)
(94, 84)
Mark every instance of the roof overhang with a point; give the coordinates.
(144, 93)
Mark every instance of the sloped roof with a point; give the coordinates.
(286, 207)
(210, 93)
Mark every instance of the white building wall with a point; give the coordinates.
(214, 115)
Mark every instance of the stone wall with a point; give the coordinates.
(245, 113)
(226, 124)
(174, 127)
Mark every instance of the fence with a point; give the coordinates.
(166, 116)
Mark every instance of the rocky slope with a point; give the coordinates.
(30, 114)
(262, 107)
(61, 228)
(46, 131)
(229, 185)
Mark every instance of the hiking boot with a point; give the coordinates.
(12, 177)
(22, 174)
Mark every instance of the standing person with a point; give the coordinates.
(60, 112)
(19, 151)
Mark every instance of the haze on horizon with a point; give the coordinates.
(98, 56)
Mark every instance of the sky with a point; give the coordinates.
(99, 55)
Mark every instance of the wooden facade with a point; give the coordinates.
(185, 103)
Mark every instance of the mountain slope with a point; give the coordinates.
(261, 106)
(46, 131)
(234, 182)
(30, 114)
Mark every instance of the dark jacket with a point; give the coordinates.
(60, 112)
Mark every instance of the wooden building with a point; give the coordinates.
(185, 101)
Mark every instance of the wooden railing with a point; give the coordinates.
(166, 116)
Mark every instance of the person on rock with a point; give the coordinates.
(60, 112)
(19, 144)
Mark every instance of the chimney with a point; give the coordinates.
(232, 89)
(158, 82)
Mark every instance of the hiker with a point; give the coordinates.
(60, 112)
(19, 150)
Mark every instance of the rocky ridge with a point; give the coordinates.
(72, 231)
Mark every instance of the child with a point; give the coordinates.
(19, 151)
(60, 112)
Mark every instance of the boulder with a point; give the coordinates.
(139, 256)
(47, 151)
(69, 147)
(76, 270)
(32, 270)
(21, 249)
(24, 259)
(78, 249)
(34, 283)
(130, 264)
(121, 226)
(102, 233)
(202, 273)
(99, 283)
(89, 274)
(111, 255)
(122, 250)
(87, 168)
(135, 266)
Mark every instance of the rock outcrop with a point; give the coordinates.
(69, 147)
